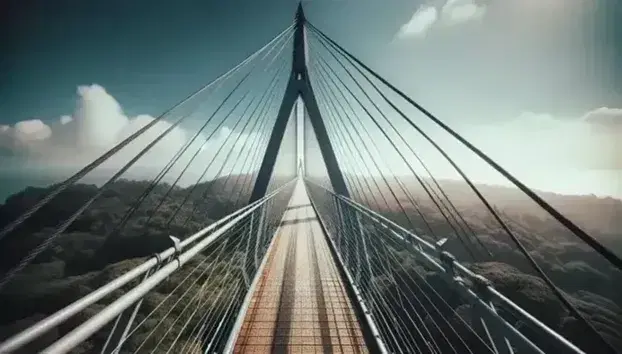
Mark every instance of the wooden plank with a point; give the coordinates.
(300, 303)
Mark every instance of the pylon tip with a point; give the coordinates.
(299, 11)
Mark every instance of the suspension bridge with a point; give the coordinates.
(320, 246)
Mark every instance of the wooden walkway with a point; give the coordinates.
(300, 303)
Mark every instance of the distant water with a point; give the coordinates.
(15, 180)
(13, 183)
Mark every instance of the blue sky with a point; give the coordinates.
(149, 54)
(510, 66)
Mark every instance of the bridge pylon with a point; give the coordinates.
(299, 86)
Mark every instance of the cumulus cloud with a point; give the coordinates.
(97, 124)
(98, 117)
(23, 135)
(453, 12)
(459, 11)
(588, 142)
(605, 118)
(568, 155)
(65, 119)
(31, 130)
(560, 154)
(420, 23)
(605, 126)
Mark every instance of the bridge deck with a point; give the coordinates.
(300, 304)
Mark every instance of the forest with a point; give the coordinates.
(583, 275)
(94, 250)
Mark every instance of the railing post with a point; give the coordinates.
(340, 222)
(247, 281)
(345, 215)
(365, 251)
(359, 235)
(260, 232)
(130, 320)
(479, 317)
(347, 224)
(495, 335)
(355, 223)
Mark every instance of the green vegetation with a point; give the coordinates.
(92, 253)
(583, 275)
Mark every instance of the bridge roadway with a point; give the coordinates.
(300, 303)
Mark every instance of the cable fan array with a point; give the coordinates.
(185, 208)
(386, 159)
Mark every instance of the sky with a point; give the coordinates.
(534, 83)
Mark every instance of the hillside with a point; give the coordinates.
(93, 252)
(574, 267)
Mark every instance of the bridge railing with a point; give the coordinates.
(182, 300)
(418, 296)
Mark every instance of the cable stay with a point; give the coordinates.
(602, 250)
(234, 242)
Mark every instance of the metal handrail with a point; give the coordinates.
(33, 332)
(366, 315)
(457, 273)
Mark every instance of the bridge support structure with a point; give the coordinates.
(299, 86)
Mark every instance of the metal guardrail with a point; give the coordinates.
(373, 335)
(155, 270)
(476, 289)
(239, 321)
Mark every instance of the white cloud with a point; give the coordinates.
(459, 11)
(98, 117)
(422, 20)
(568, 155)
(605, 128)
(31, 130)
(23, 135)
(606, 118)
(97, 124)
(560, 154)
(534, 140)
(454, 12)
(537, 141)
(65, 119)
